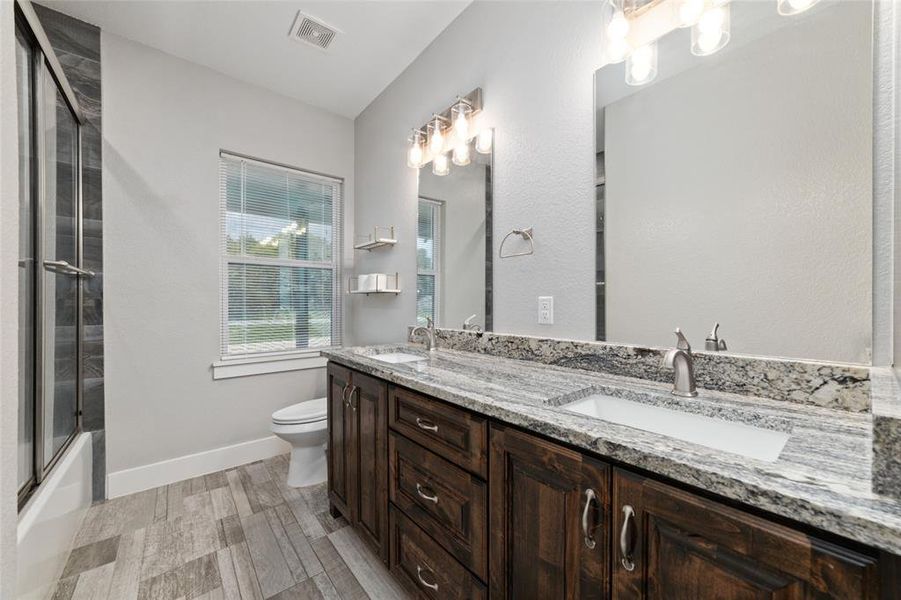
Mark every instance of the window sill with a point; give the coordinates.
(262, 365)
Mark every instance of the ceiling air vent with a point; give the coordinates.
(311, 31)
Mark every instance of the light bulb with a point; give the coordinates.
(436, 136)
(484, 141)
(414, 153)
(439, 165)
(688, 12)
(461, 154)
(617, 50)
(711, 32)
(793, 7)
(641, 66)
(461, 114)
(618, 26)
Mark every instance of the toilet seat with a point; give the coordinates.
(311, 411)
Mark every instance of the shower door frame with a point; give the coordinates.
(44, 61)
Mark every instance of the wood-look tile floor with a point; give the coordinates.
(239, 534)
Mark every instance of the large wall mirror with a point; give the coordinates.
(453, 243)
(736, 187)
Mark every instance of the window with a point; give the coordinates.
(281, 247)
(428, 263)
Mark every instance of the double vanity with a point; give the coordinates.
(474, 474)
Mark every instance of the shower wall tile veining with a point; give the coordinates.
(77, 45)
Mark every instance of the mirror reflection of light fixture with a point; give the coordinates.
(687, 12)
(641, 66)
(484, 141)
(461, 117)
(414, 153)
(615, 31)
(711, 32)
(788, 8)
(440, 167)
(461, 154)
(436, 135)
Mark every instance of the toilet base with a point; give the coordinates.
(307, 467)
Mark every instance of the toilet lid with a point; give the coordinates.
(302, 412)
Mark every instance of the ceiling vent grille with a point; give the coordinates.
(312, 31)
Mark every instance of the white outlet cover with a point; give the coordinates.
(545, 310)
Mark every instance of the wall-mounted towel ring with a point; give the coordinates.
(526, 234)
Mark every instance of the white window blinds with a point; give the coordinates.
(428, 261)
(281, 257)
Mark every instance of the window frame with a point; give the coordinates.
(251, 363)
(437, 255)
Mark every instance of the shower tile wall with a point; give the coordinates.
(77, 45)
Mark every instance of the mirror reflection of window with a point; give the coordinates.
(428, 261)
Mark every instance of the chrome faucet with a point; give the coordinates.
(468, 325)
(680, 360)
(431, 342)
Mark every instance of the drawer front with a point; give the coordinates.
(454, 434)
(424, 567)
(443, 499)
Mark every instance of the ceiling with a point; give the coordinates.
(248, 40)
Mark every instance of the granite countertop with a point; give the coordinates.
(821, 478)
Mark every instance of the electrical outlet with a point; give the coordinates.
(545, 310)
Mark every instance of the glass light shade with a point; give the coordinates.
(484, 141)
(687, 12)
(618, 24)
(788, 8)
(436, 136)
(641, 66)
(461, 117)
(461, 154)
(414, 153)
(616, 28)
(711, 32)
(616, 51)
(440, 165)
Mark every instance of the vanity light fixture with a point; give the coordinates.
(641, 66)
(461, 154)
(414, 153)
(436, 135)
(484, 141)
(788, 8)
(439, 165)
(461, 117)
(687, 12)
(615, 31)
(712, 31)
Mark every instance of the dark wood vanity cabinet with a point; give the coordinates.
(460, 506)
(669, 543)
(358, 453)
(549, 505)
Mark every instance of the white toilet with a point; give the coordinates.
(305, 427)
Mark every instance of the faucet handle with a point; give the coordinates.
(428, 322)
(682, 341)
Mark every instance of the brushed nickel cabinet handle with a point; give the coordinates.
(427, 425)
(423, 493)
(590, 496)
(350, 398)
(431, 586)
(344, 394)
(624, 541)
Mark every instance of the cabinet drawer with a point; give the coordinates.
(443, 499)
(424, 567)
(455, 434)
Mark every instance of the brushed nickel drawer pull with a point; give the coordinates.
(427, 425)
(586, 535)
(431, 586)
(350, 398)
(625, 548)
(433, 497)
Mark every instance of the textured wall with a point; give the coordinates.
(535, 63)
(77, 45)
(164, 122)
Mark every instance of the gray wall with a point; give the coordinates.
(165, 121)
(740, 191)
(535, 63)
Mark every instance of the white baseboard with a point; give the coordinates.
(138, 479)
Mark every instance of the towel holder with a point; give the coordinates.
(525, 234)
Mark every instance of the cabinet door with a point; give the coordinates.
(369, 402)
(539, 496)
(672, 544)
(342, 451)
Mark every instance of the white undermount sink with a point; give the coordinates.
(396, 358)
(737, 438)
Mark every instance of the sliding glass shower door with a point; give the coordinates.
(49, 259)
